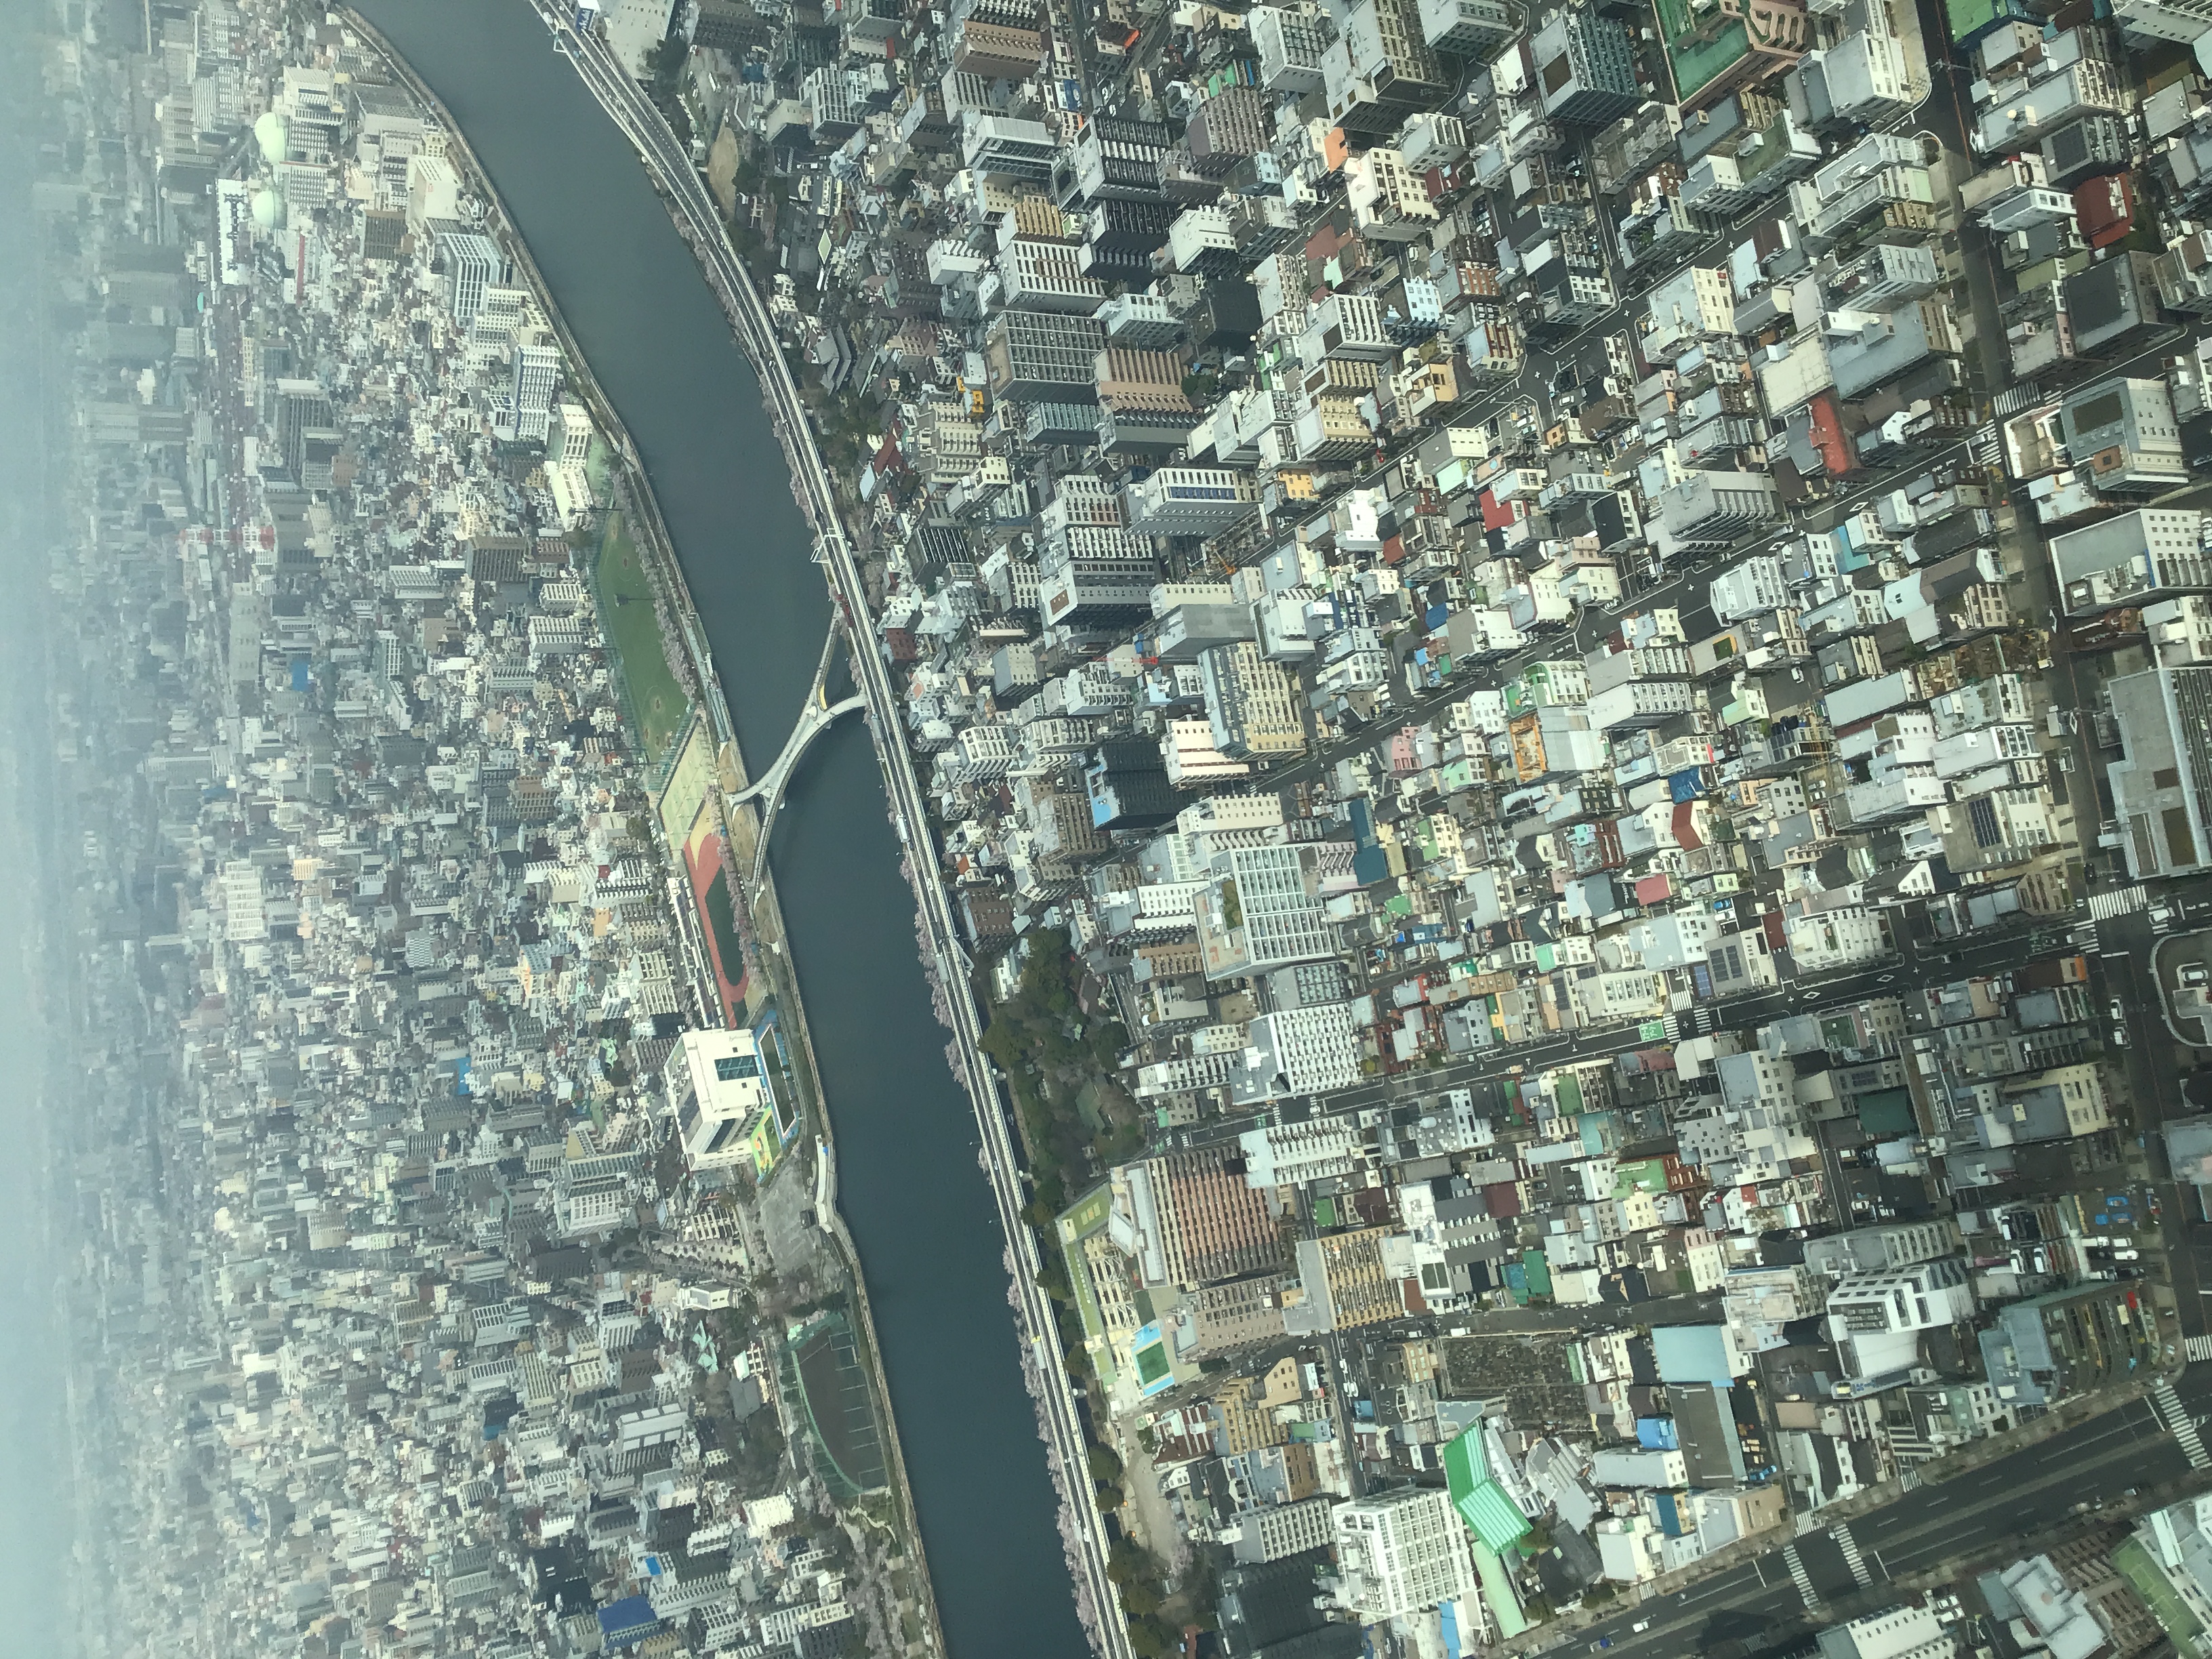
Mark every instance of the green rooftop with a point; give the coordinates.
(1970, 19)
(2136, 1565)
(1152, 1364)
(1076, 1223)
(1693, 58)
(1493, 1518)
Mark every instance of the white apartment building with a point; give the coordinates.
(1292, 1154)
(1292, 47)
(1688, 306)
(1264, 909)
(1190, 500)
(1401, 1552)
(471, 263)
(1185, 1075)
(1347, 326)
(1829, 939)
(568, 435)
(1877, 1249)
(1300, 1051)
(1041, 276)
(1875, 1319)
(1467, 26)
(1271, 1534)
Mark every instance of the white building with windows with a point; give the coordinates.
(1875, 1319)
(1300, 1051)
(1292, 1154)
(1401, 1552)
(1190, 500)
(718, 1089)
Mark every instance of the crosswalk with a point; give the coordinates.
(1985, 445)
(2198, 1347)
(1802, 1578)
(2085, 938)
(2118, 902)
(2167, 1407)
(1673, 1025)
(1852, 1559)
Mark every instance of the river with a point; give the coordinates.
(913, 1192)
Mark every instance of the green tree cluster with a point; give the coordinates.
(757, 1447)
(1049, 1050)
(664, 67)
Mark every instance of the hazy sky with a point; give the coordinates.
(34, 1531)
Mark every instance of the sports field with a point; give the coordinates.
(633, 629)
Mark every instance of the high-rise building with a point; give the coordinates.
(994, 50)
(1388, 201)
(1042, 276)
(1401, 1552)
(1883, 278)
(1585, 69)
(1190, 500)
(1006, 145)
(536, 374)
(1878, 1248)
(1039, 356)
(2137, 558)
(2162, 786)
(1127, 784)
(1114, 158)
(1090, 542)
(1292, 47)
(1468, 27)
(308, 434)
(1382, 70)
(1093, 594)
(731, 25)
(717, 1090)
(1198, 1219)
(1127, 379)
(2121, 433)
(1296, 1052)
(1141, 321)
(568, 435)
(1235, 123)
(1281, 1530)
(1251, 703)
(1120, 238)
(471, 262)
(1266, 908)
(836, 103)
(1712, 509)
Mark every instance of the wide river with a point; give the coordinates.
(918, 1202)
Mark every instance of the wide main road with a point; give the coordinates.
(702, 222)
(1846, 1569)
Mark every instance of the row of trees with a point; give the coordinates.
(1054, 1055)
(664, 67)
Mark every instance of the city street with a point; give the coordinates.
(1761, 1605)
